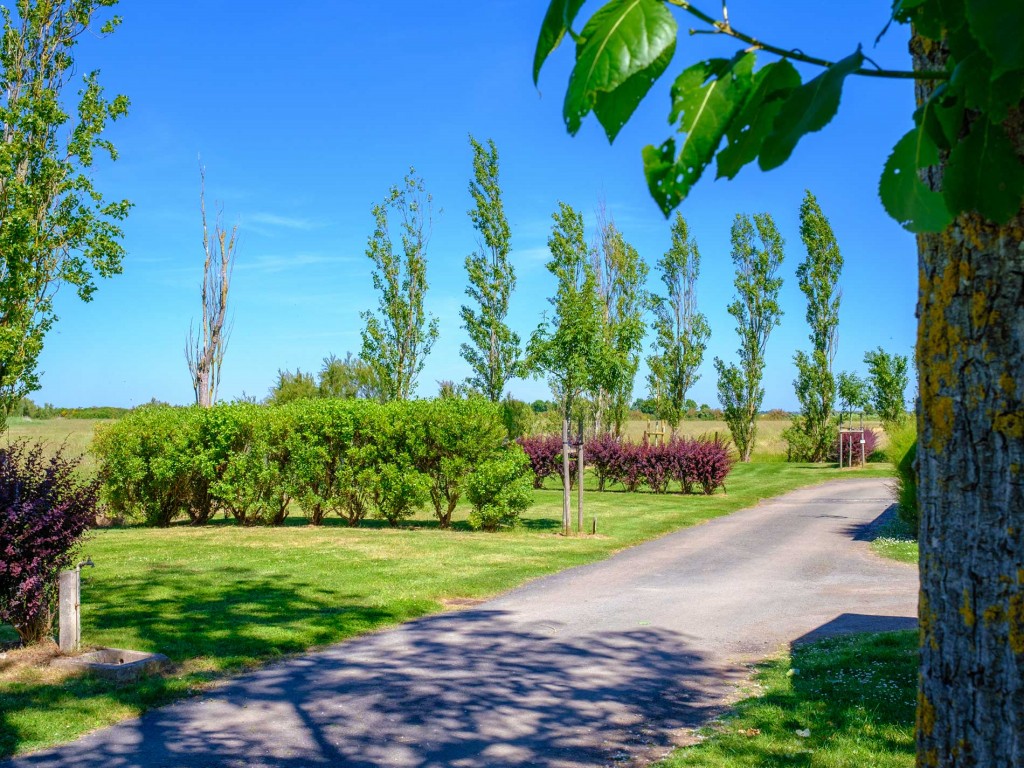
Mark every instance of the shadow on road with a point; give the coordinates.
(848, 623)
(464, 689)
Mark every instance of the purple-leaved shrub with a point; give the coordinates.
(45, 509)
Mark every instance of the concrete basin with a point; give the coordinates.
(115, 664)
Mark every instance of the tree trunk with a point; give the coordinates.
(970, 354)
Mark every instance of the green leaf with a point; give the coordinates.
(906, 198)
(978, 87)
(705, 99)
(771, 85)
(623, 39)
(942, 116)
(984, 174)
(998, 26)
(557, 21)
(614, 108)
(809, 108)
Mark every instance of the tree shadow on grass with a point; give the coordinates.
(233, 619)
(471, 688)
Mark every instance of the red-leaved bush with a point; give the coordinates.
(852, 444)
(45, 509)
(545, 454)
(603, 453)
(694, 463)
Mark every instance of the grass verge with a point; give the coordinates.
(220, 599)
(839, 703)
(895, 541)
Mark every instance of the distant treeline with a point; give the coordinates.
(25, 408)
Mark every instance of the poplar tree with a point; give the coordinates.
(756, 310)
(568, 346)
(494, 352)
(56, 228)
(620, 275)
(681, 331)
(398, 338)
(813, 432)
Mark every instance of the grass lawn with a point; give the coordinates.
(839, 703)
(220, 599)
(895, 541)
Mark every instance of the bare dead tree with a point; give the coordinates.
(204, 350)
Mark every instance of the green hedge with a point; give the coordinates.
(350, 458)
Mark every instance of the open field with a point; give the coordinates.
(77, 433)
(840, 703)
(220, 598)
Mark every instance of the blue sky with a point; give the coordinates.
(305, 113)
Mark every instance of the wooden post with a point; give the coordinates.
(69, 600)
(566, 517)
(579, 482)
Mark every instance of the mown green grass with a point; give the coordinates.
(220, 598)
(896, 541)
(838, 703)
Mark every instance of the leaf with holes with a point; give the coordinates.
(614, 108)
(809, 108)
(984, 174)
(705, 99)
(557, 21)
(623, 39)
(906, 198)
(770, 86)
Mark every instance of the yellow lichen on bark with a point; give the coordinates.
(965, 609)
(1015, 624)
(939, 342)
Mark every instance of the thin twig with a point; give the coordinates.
(724, 27)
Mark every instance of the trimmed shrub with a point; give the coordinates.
(709, 463)
(458, 437)
(902, 452)
(319, 445)
(251, 485)
(545, 454)
(45, 509)
(149, 466)
(603, 453)
(656, 466)
(399, 491)
(629, 470)
(500, 490)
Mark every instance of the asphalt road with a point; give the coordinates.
(606, 664)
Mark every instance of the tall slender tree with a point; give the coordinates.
(756, 309)
(56, 228)
(205, 348)
(681, 331)
(620, 275)
(397, 339)
(493, 353)
(568, 347)
(814, 431)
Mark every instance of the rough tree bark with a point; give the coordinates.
(970, 352)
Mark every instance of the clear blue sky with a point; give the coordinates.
(306, 112)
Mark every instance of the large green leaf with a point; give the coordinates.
(904, 195)
(984, 174)
(746, 133)
(557, 22)
(809, 108)
(998, 26)
(978, 86)
(623, 39)
(705, 99)
(614, 108)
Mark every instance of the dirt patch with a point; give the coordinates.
(33, 662)
(461, 602)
